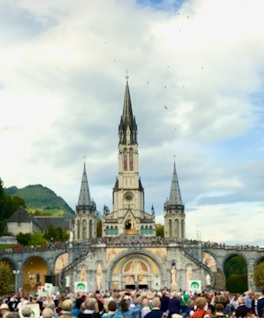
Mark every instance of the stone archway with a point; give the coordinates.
(34, 274)
(135, 270)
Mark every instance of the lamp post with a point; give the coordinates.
(16, 273)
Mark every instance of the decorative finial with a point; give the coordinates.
(127, 77)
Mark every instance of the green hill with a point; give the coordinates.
(41, 200)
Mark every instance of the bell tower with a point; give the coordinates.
(128, 216)
(174, 216)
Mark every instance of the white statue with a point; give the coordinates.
(208, 280)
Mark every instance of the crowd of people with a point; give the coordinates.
(135, 304)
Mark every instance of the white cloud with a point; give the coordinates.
(62, 84)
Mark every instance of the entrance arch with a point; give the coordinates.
(34, 274)
(136, 269)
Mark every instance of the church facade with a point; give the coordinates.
(130, 254)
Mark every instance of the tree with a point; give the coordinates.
(5, 278)
(23, 238)
(258, 275)
(8, 205)
(37, 239)
(56, 234)
(160, 230)
(235, 269)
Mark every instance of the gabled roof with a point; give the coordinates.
(22, 216)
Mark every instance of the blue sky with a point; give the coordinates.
(62, 85)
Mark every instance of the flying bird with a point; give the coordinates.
(165, 107)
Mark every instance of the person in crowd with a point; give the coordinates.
(26, 312)
(174, 304)
(13, 314)
(242, 310)
(12, 303)
(249, 301)
(66, 308)
(156, 312)
(125, 309)
(234, 301)
(164, 300)
(201, 310)
(47, 313)
(91, 309)
(260, 304)
(111, 310)
(219, 310)
(4, 310)
(145, 307)
(184, 303)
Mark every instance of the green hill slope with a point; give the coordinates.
(41, 200)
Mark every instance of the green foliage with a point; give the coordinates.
(41, 199)
(5, 278)
(160, 230)
(258, 275)
(23, 238)
(235, 269)
(56, 234)
(28, 239)
(37, 239)
(8, 205)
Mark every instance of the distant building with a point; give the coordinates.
(23, 222)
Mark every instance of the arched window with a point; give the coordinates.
(125, 160)
(170, 228)
(90, 229)
(78, 229)
(131, 163)
(84, 230)
(177, 228)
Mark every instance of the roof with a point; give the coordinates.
(22, 216)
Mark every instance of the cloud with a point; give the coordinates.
(196, 83)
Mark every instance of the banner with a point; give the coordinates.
(80, 287)
(195, 286)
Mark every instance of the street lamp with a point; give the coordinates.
(16, 273)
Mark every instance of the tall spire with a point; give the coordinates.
(84, 197)
(175, 193)
(127, 126)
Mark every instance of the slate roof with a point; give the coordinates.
(22, 216)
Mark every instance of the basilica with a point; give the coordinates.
(130, 254)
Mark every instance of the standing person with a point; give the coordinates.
(249, 300)
(125, 308)
(184, 303)
(260, 304)
(156, 312)
(201, 311)
(242, 309)
(174, 304)
(145, 307)
(111, 310)
(4, 310)
(164, 300)
(91, 309)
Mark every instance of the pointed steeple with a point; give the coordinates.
(175, 193)
(128, 125)
(84, 197)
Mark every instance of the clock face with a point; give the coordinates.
(128, 196)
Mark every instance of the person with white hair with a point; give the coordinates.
(242, 310)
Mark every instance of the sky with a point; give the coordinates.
(196, 77)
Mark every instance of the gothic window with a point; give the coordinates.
(131, 165)
(90, 229)
(78, 229)
(170, 228)
(177, 228)
(84, 230)
(125, 160)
